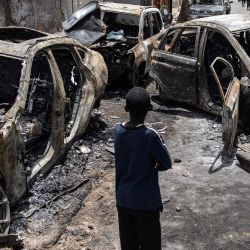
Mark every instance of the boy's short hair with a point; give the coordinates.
(138, 101)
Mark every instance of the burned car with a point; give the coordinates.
(48, 87)
(124, 34)
(206, 63)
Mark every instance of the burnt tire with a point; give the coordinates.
(4, 213)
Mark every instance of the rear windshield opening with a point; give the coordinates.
(243, 38)
(129, 23)
(10, 73)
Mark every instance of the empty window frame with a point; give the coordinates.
(169, 39)
(186, 43)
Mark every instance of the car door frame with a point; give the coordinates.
(87, 96)
(158, 53)
(146, 46)
(55, 146)
(230, 112)
(87, 93)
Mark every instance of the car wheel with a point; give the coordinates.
(4, 213)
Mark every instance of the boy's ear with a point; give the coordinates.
(126, 108)
(150, 108)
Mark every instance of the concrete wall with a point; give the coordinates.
(46, 15)
(3, 16)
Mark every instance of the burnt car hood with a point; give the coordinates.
(85, 25)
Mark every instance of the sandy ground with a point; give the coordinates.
(206, 196)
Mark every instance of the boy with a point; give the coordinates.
(139, 155)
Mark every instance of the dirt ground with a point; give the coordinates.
(206, 196)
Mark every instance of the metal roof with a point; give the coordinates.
(233, 22)
(123, 8)
(20, 49)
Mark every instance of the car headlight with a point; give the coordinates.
(218, 13)
(193, 12)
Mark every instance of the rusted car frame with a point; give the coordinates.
(54, 99)
(209, 73)
(129, 56)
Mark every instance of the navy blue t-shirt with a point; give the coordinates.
(136, 152)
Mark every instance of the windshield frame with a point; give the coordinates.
(104, 12)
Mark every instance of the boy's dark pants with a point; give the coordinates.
(139, 229)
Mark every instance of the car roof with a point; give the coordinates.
(15, 41)
(123, 8)
(233, 22)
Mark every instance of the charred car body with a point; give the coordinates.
(206, 63)
(124, 34)
(48, 87)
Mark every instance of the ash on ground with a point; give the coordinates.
(55, 198)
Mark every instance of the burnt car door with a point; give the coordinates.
(72, 82)
(230, 99)
(175, 65)
(78, 89)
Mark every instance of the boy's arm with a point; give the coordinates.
(160, 153)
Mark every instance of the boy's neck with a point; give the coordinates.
(134, 121)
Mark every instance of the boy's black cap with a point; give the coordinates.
(138, 100)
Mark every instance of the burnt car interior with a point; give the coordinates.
(218, 46)
(38, 112)
(73, 83)
(9, 82)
